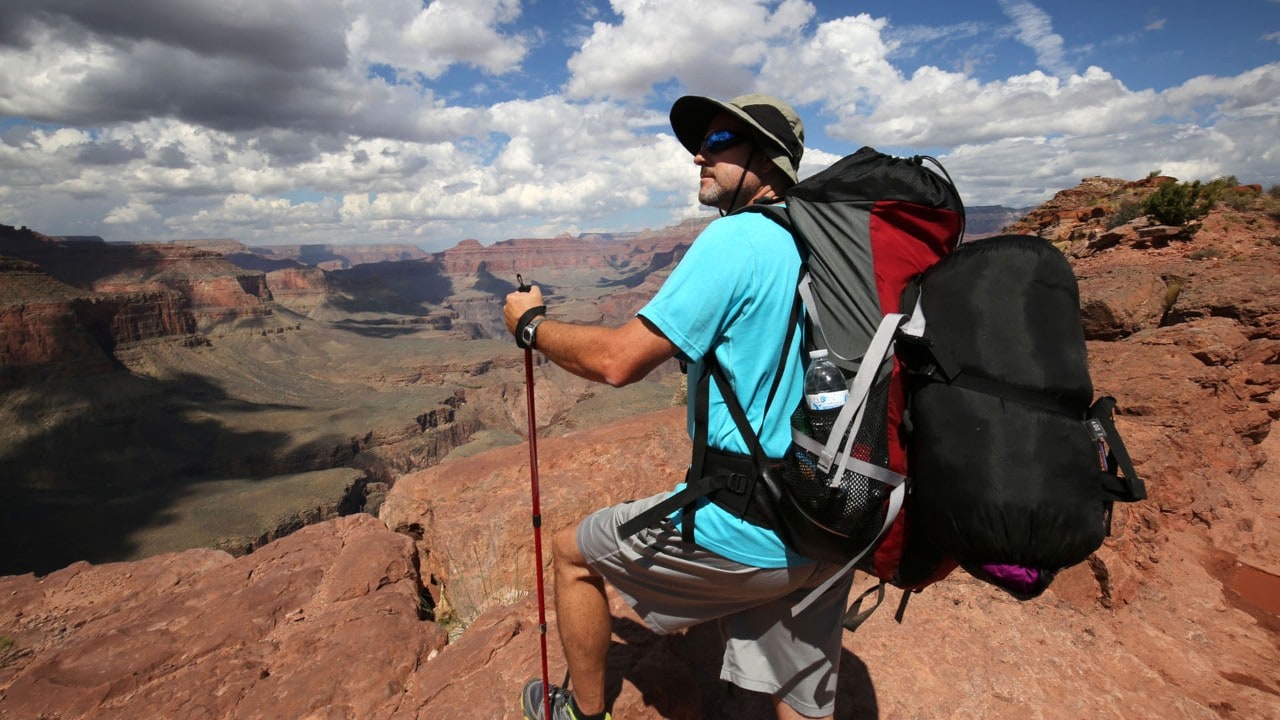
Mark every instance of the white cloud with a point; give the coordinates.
(656, 42)
(937, 108)
(1020, 171)
(131, 214)
(844, 66)
(429, 38)
(1035, 30)
(318, 121)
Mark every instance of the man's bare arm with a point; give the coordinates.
(616, 356)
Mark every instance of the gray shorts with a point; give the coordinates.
(673, 585)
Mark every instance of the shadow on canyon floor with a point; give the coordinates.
(102, 458)
(408, 288)
(377, 329)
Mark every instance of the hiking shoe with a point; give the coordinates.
(533, 707)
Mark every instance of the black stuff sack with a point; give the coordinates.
(1014, 466)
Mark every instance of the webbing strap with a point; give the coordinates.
(855, 615)
(850, 417)
(736, 412)
(804, 289)
(1004, 391)
(896, 498)
(862, 467)
(1130, 487)
(792, 322)
(698, 482)
(695, 488)
(847, 424)
(761, 478)
(902, 604)
(697, 469)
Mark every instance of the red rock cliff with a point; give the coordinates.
(87, 295)
(43, 321)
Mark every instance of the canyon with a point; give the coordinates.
(153, 395)
(391, 386)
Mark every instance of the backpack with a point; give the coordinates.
(961, 395)
(869, 225)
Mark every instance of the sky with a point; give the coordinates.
(430, 122)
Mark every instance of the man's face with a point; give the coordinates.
(723, 159)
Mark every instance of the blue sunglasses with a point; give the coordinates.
(719, 141)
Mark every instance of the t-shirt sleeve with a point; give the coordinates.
(704, 292)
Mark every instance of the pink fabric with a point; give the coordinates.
(1015, 578)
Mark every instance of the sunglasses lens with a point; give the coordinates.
(719, 141)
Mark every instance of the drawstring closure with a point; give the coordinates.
(741, 179)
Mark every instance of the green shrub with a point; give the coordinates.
(1175, 203)
(1172, 203)
(1238, 201)
(1274, 192)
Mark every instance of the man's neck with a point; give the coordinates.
(766, 196)
(763, 196)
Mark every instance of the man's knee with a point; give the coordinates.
(564, 545)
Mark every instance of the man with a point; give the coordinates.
(728, 301)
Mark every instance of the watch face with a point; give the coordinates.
(527, 334)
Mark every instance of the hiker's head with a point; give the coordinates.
(750, 142)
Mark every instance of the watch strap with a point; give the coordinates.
(524, 321)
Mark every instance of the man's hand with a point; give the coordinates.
(518, 303)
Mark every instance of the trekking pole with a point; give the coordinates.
(537, 519)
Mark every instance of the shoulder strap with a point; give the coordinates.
(698, 483)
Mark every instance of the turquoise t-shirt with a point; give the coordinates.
(732, 294)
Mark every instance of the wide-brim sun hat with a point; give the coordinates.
(774, 123)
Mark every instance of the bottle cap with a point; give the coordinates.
(819, 353)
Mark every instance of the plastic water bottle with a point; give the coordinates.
(825, 393)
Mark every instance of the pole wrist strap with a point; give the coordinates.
(525, 319)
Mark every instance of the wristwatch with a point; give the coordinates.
(529, 333)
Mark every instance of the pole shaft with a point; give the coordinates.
(537, 530)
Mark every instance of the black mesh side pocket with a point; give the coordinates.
(855, 506)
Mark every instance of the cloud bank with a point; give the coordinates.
(390, 120)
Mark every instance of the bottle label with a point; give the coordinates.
(827, 400)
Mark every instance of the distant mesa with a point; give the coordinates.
(75, 301)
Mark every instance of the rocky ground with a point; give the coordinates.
(427, 611)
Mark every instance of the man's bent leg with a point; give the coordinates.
(582, 613)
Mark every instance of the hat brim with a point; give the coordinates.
(692, 114)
